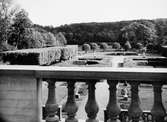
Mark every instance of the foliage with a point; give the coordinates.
(104, 46)
(44, 56)
(150, 47)
(127, 46)
(69, 52)
(88, 32)
(164, 40)
(6, 14)
(116, 45)
(50, 39)
(94, 46)
(16, 29)
(139, 46)
(60, 37)
(86, 47)
(112, 32)
(135, 31)
(21, 28)
(5, 47)
(35, 40)
(161, 27)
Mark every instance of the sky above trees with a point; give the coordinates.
(60, 12)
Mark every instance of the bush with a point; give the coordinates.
(150, 47)
(139, 46)
(69, 52)
(127, 46)
(116, 45)
(86, 47)
(94, 46)
(44, 56)
(6, 47)
(104, 46)
(61, 38)
(50, 39)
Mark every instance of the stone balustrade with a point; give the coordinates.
(21, 88)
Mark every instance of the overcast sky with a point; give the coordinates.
(60, 12)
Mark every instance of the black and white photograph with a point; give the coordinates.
(83, 60)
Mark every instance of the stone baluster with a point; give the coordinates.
(51, 106)
(158, 110)
(91, 107)
(134, 109)
(71, 106)
(113, 110)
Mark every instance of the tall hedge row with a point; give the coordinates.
(69, 52)
(41, 56)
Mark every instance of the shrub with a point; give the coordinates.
(61, 38)
(150, 47)
(69, 52)
(6, 47)
(139, 46)
(127, 46)
(94, 46)
(86, 47)
(116, 45)
(50, 39)
(44, 56)
(104, 46)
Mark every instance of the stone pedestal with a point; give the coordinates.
(20, 99)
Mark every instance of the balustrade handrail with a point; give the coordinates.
(130, 74)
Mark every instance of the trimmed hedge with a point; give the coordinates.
(104, 46)
(41, 56)
(86, 47)
(94, 46)
(116, 45)
(69, 52)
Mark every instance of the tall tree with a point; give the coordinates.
(21, 28)
(61, 38)
(50, 39)
(6, 14)
(138, 31)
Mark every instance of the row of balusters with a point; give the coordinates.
(113, 111)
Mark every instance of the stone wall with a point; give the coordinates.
(20, 98)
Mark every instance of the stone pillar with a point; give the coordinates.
(113, 110)
(134, 110)
(39, 99)
(20, 98)
(71, 106)
(91, 107)
(158, 110)
(51, 104)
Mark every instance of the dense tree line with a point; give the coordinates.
(18, 32)
(143, 31)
